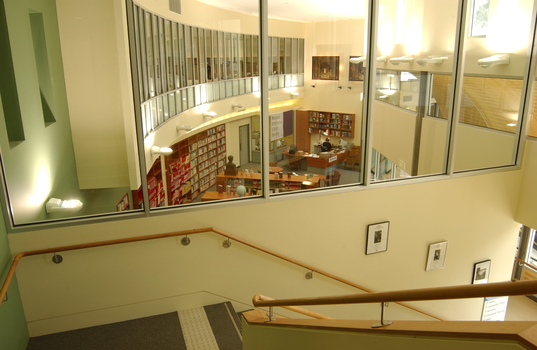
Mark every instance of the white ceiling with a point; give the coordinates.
(298, 10)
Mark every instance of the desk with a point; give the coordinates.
(214, 196)
(324, 166)
(285, 183)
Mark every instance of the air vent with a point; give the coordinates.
(175, 6)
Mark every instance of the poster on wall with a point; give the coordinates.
(276, 126)
(356, 69)
(494, 308)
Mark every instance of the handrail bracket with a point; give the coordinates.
(382, 323)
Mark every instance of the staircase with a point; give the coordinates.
(212, 327)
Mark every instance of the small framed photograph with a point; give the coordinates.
(377, 237)
(436, 256)
(481, 272)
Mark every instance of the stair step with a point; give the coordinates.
(212, 327)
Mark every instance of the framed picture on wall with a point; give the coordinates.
(377, 237)
(436, 256)
(481, 272)
(325, 68)
(356, 69)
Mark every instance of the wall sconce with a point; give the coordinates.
(161, 151)
(236, 105)
(356, 60)
(404, 59)
(58, 205)
(294, 94)
(493, 60)
(209, 114)
(183, 127)
(423, 61)
(381, 59)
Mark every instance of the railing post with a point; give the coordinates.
(270, 315)
(382, 323)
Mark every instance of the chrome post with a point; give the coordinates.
(382, 323)
(270, 315)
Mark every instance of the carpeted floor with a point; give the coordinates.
(162, 332)
(213, 327)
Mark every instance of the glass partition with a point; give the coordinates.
(497, 62)
(414, 45)
(197, 95)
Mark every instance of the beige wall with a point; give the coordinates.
(258, 337)
(475, 215)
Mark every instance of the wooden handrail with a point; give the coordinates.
(299, 310)
(440, 293)
(11, 272)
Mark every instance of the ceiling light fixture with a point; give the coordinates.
(209, 114)
(236, 105)
(161, 151)
(58, 205)
(423, 61)
(183, 127)
(404, 59)
(294, 94)
(356, 60)
(381, 59)
(493, 60)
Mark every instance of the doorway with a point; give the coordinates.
(244, 144)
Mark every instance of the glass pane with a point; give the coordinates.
(149, 54)
(241, 56)
(209, 58)
(189, 63)
(255, 55)
(162, 54)
(227, 54)
(248, 55)
(176, 59)
(532, 130)
(195, 55)
(182, 55)
(235, 55)
(169, 55)
(413, 43)
(288, 58)
(203, 56)
(494, 71)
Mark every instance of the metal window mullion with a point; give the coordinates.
(369, 93)
(263, 61)
(137, 111)
(527, 88)
(458, 76)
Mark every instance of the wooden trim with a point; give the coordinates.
(19, 256)
(524, 332)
